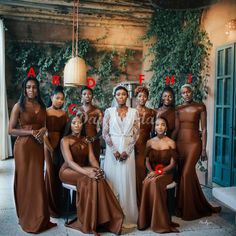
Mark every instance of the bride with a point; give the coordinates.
(120, 131)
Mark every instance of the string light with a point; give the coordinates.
(230, 26)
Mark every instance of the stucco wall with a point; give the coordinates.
(214, 20)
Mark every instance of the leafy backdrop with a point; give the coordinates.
(50, 59)
(181, 47)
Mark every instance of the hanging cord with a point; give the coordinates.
(73, 30)
(77, 28)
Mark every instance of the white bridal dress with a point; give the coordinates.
(121, 135)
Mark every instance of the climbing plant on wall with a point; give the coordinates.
(49, 59)
(181, 48)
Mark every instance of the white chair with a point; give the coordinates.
(171, 194)
(171, 186)
(71, 188)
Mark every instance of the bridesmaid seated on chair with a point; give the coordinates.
(96, 204)
(160, 161)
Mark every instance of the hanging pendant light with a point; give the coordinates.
(75, 69)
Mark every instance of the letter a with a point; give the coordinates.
(31, 72)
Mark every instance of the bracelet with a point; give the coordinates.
(92, 139)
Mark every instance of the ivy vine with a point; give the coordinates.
(50, 59)
(181, 48)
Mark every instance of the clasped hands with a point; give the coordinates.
(120, 156)
(90, 139)
(95, 173)
(153, 174)
(38, 134)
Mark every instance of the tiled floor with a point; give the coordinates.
(217, 225)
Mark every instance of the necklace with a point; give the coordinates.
(55, 108)
(77, 135)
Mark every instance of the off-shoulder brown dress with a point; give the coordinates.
(153, 211)
(95, 201)
(29, 187)
(55, 126)
(192, 203)
(147, 120)
(169, 116)
(92, 118)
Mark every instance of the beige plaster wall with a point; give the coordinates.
(214, 20)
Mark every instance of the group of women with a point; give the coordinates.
(130, 191)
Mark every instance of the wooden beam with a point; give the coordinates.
(125, 12)
(38, 15)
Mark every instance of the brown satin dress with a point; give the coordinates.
(147, 120)
(169, 116)
(192, 203)
(91, 129)
(55, 126)
(153, 211)
(29, 187)
(96, 204)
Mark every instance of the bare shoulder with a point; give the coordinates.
(150, 142)
(99, 111)
(16, 106)
(171, 142)
(202, 107)
(66, 140)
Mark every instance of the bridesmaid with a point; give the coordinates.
(55, 123)
(95, 201)
(94, 117)
(192, 203)
(166, 109)
(147, 117)
(27, 121)
(153, 209)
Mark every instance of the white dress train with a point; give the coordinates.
(121, 135)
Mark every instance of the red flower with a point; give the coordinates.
(159, 169)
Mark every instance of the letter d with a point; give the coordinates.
(91, 82)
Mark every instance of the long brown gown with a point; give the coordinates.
(153, 211)
(91, 128)
(29, 187)
(55, 126)
(169, 116)
(147, 120)
(95, 201)
(192, 203)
